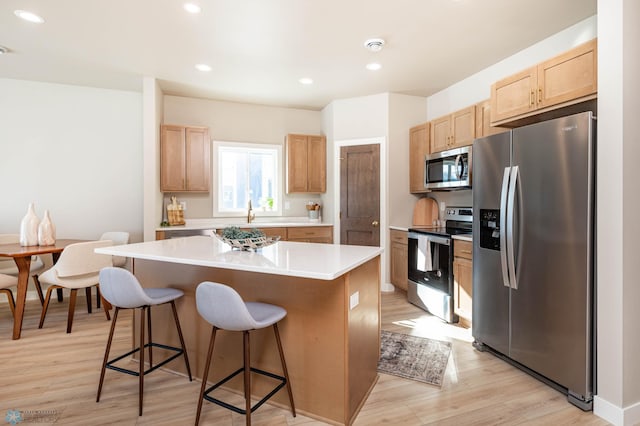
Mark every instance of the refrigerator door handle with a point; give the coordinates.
(457, 166)
(510, 214)
(503, 226)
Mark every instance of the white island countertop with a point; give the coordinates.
(307, 260)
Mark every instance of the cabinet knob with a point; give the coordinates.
(375, 223)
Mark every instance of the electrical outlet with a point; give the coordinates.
(354, 300)
(184, 205)
(287, 205)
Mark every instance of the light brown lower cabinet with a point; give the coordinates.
(309, 234)
(463, 280)
(399, 259)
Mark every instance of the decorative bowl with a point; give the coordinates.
(249, 244)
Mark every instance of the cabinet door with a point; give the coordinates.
(172, 158)
(198, 158)
(440, 134)
(463, 127)
(399, 265)
(316, 164)
(297, 150)
(463, 289)
(569, 76)
(418, 149)
(514, 95)
(483, 120)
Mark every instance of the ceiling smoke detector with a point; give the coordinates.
(374, 44)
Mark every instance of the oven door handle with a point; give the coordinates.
(503, 226)
(430, 238)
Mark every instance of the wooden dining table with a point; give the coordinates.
(22, 256)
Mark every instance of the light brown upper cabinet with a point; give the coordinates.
(185, 157)
(454, 130)
(418, 149)
(483, 120)
(568, 78)
(306, 163)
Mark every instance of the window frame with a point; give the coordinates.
(278, 177)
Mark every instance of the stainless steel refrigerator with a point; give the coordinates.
(533, 250)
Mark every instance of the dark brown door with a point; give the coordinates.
(360, 195)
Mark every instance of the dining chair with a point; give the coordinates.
(78, 267)
(8, 266)
(118, 238)
(7, 281)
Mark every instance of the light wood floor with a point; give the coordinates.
(50, 373)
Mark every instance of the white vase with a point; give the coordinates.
(46, 231)
(29, 228)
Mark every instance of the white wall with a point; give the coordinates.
(618, 269)
(152, 117)
(230, 121)
(75, 151)
(404, 113)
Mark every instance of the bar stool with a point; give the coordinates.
(123, 290)
(224, 309)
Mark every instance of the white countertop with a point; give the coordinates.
(464, 237)
(275, 222)
(307, 260)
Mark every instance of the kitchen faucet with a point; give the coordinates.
(250, 214)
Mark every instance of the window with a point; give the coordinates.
(247, 171)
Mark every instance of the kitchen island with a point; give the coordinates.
(331, 335)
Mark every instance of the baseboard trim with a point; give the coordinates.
(615, 415)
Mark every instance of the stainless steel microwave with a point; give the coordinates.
(448, 170)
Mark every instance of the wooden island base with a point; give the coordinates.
(331, 350)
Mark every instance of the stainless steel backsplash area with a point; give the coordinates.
(452, 198)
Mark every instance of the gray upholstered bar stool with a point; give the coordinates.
(224, 309)
(123, 290)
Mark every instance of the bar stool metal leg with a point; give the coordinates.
(141, 381)
(106, 352)
(149, 337)
(184, 348)
(205, 375)
(284, 368)
(247, 377)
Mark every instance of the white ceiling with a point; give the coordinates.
(258, 49)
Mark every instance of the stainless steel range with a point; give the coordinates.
(430, 285)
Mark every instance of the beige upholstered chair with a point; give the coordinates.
(8, 265)
(78, 267)
(118, 238)
(7, 281)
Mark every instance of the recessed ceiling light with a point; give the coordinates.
(192, 8)
(306, 80)
(3, 50)
(203, 67)
(374, 66)
(29, 16)
(374, 44)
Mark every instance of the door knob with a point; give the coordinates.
(375, 223)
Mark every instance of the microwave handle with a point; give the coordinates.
(459, 161)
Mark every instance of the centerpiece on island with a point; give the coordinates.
(250, 240)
